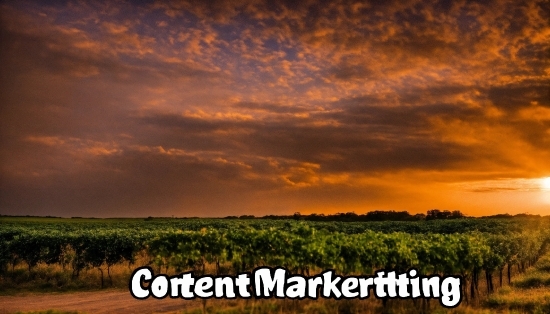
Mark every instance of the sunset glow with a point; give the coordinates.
(193, 108)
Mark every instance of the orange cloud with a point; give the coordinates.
(271, 107)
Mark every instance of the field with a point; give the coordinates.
(498, 260)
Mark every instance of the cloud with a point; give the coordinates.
(65, 49)
(255, 106)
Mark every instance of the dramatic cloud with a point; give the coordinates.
(216, 108)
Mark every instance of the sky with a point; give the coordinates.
(218, 108)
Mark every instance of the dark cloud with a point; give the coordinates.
(366, 138)
(513, 97)
(272, 107)
(218, 108)
(68, 51)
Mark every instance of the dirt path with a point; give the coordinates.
(112, 301)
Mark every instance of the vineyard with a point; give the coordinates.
(471, 248)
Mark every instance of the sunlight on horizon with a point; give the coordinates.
(516, 188)
(508, 184)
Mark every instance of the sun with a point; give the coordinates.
(545, 183)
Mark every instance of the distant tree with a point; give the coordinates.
(499, 216)
(445, 214)
(456, 214)
(419, 216)
(433, 214)
(526, 215)
(392, 215)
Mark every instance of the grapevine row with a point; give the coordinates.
(300, 248)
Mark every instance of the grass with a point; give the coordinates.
(531, 300)
(533, 279)
(528, 293)
(543, 264)
(54, 278)
(320, 306)
(324, 306)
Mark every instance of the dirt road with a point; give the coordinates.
(112, 301)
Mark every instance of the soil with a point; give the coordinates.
(111, 301)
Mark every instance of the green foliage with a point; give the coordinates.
(354, 248)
